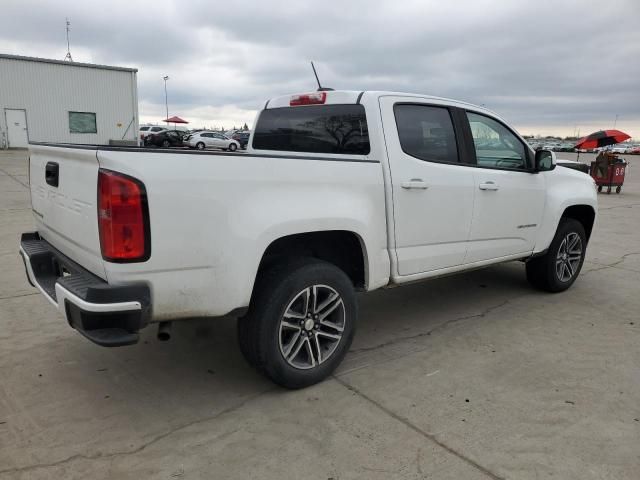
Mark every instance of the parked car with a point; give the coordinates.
(166, 139)
(565, 147)
(319, 207)
(202, 140)
(618, 149)
(242, 137)
(635, 150)
(146, 130)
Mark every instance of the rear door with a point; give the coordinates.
(509, 199)
(64, 190)
(219, 141)
(432, 189)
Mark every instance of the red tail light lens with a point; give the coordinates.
(317, 98)
(123, 218)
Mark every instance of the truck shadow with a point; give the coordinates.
(208, 347)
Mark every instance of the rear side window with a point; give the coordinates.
(144, 129)
(426, 132)
(313, 129)
(156, 129)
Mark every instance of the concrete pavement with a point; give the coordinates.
(471, 376)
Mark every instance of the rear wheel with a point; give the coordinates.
(300, 323)
(559, 267)
(200, 146)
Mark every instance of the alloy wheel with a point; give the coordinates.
(311, 327)
(569, 257)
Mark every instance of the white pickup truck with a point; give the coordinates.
(338, 191)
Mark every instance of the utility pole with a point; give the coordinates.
(166, 99)
(615, 121)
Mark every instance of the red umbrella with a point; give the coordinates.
(175, 120)
(602, 139)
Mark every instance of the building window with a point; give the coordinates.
(82, 122)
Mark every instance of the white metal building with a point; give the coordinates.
(44, 100)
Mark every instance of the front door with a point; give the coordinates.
(17, 128)
(432, 189)
(509, 199)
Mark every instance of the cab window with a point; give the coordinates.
(496, 146)
(426, 132)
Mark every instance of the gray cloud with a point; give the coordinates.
(542, 65)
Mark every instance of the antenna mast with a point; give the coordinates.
(320, 87)
(67, 57)
(316, 74)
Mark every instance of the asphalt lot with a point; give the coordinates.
(467, 377)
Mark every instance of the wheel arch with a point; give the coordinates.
(343, 248)
(585, 214)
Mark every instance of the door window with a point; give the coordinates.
(426, 132)
(496, 146)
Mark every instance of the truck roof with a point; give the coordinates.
(355, 96)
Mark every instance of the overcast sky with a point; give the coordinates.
(546, 66)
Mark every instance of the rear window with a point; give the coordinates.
(313, 129)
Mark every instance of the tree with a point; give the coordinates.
(245, 127)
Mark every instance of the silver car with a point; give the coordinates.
(202, 140)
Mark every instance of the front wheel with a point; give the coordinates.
(200, 146)
(556, 270)
(166, 143)
(232, 147)
(300, 323)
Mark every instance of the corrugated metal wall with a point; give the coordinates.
(48, 91)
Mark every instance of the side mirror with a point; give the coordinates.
(545, 161)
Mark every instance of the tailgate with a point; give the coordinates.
(64, 191)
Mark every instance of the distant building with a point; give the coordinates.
(44, 100)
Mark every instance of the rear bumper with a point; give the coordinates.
(108, 315)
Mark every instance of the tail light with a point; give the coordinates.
(317, 98)
(123, 218)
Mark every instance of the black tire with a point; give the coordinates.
(260, 331)
(599, 188)
(619, 189)
(609, 191)
(166, 143)
(542, 272)
(232, 147)
(200, 146)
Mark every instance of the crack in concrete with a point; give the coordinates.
(615, 264)
(139, 448)
(14, 178)
(442, 325)
(629, 205)
(19, 295)
(429, 436)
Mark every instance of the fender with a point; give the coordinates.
(565, 188)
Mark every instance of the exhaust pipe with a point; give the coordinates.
(164, 331)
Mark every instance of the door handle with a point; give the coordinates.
(52, 173)
(492, 186)
(415, 183)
